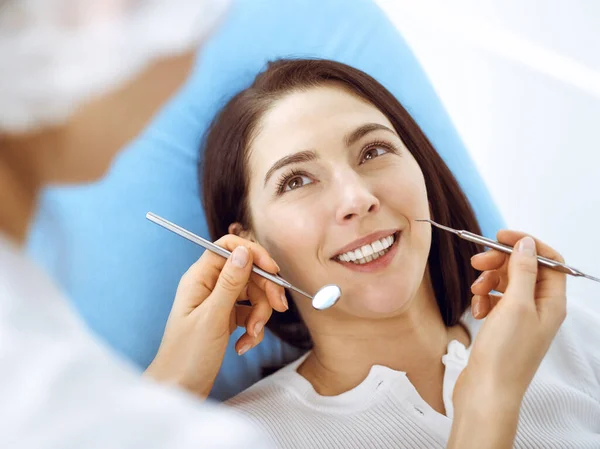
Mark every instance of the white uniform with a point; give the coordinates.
(60, 388)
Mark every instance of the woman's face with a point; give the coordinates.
(333, 195)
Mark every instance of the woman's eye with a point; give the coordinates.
(372, 153)
(296, 182)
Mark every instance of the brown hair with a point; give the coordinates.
(224, 179)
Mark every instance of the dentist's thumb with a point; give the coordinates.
(523, 271)
(232, 280)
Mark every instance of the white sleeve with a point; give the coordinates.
(60, 388)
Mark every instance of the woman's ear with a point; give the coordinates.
(238, 229)
(235, 228)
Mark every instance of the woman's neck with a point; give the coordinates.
(413, 342)
(19, 188)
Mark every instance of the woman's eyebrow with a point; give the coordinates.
(311, 155)
(295, 158)
(363, 130)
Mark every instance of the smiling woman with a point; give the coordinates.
(326, 151)
(324, 168)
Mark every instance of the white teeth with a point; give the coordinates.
(367, 250)
(370, 252)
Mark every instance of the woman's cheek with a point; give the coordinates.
(289, 240)
(410, 202)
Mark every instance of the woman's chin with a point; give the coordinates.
(377, 307)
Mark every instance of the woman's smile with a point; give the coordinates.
(373, 256)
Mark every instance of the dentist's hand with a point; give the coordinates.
(205, 313)
(495, 267)
(506, 353)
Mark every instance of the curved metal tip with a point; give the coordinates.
(437, 225)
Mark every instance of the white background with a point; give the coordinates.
(521, 81)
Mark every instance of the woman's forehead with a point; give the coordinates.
(314, 119)
(318, 105)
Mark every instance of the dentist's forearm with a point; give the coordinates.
(489, 423)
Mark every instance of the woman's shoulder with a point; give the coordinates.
(273, 403)
(277, 390)
(268, 389)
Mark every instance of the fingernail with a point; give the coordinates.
(527, 246)
(257, 328)
(479, 279)
(244, 349)
(277, 266)
(476, 309)
(284, 301)
(478, 255)
(240, 256)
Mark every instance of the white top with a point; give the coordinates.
(560, 410)
(60, 388)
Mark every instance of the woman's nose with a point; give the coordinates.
(356, 201)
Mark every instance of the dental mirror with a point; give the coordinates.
(326, 297)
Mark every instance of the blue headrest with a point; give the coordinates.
(122, 271)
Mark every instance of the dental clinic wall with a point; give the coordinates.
(521, 81)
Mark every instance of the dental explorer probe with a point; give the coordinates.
(326, 297)
(466, 235)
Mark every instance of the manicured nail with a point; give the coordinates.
(481, 255)
(284, 301)
(479, 279)
(527, 246)
(257, 328)
(244, 349)
(240, 256)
